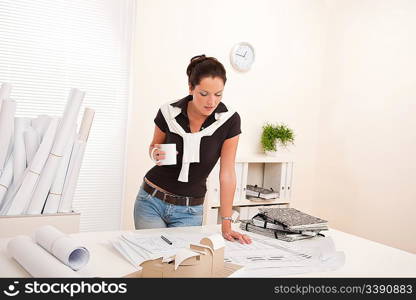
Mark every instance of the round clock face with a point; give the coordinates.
(242, 56)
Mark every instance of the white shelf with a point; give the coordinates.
(247, 202)
(263, 158)
(274, 172)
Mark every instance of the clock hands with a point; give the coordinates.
(242, 55)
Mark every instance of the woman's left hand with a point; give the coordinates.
(231, 235)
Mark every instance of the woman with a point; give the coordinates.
(204, 130)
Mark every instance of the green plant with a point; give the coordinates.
(273, 132)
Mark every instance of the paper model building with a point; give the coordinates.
(205, 259)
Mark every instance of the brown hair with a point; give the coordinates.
(201, 67)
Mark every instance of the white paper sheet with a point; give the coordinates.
(6, 179)
(151, 246)
(336, 261)
(55, 193)
(315, 255)
(134, 261)
(132, 252)
(143, 254)
(47, 176)
(259, 254)
(19, 195)
(19, 150)
(36, 260)
(7, 111)
(139, 247)
(66, 249)
(32, 142)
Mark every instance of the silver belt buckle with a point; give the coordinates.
(154, 192)
(187, 201)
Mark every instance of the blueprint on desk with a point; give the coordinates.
(280, 258)
(264, 257)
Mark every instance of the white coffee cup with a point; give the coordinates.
(170, 154)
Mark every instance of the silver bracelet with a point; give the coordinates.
(227, 218)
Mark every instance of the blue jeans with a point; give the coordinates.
(151, 212)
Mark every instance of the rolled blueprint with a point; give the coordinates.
(36, 260)
(11, 191)
(72, 177)
(19, 196)
(19, 151)
(68, 121)
(86, 123)
(7, 111)
(76, 161)
(32, 142)
(66, 249)
(6, 179)
(41, 124)
(5, 90)
(55, 193)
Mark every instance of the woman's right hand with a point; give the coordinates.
(158, 154)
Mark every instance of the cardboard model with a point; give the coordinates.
(205, 259)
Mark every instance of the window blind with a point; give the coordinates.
(50, 46)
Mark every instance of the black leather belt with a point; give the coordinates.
(171, 198)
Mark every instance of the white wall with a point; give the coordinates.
(341, 73)
(367, 122)
(283, 86)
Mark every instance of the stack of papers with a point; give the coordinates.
(137, 247)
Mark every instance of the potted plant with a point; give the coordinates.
(276, 137)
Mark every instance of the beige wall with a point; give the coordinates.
(338, 72)
(367, 137)
(284, 84)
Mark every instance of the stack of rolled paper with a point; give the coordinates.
(50, 253)
(40, 158)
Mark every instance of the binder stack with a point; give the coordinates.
(286, 224)
(253, 191)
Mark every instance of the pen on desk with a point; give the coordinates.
(166, 240)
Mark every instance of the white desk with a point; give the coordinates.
(364, 258)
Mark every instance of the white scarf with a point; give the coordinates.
(191, 141)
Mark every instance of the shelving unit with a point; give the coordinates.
(267, 171)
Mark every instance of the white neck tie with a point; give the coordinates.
(191, 141)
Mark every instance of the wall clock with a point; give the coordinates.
(242, 56)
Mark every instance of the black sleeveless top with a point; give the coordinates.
(166, 177)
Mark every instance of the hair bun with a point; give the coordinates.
(198, 58)
(194, 61)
